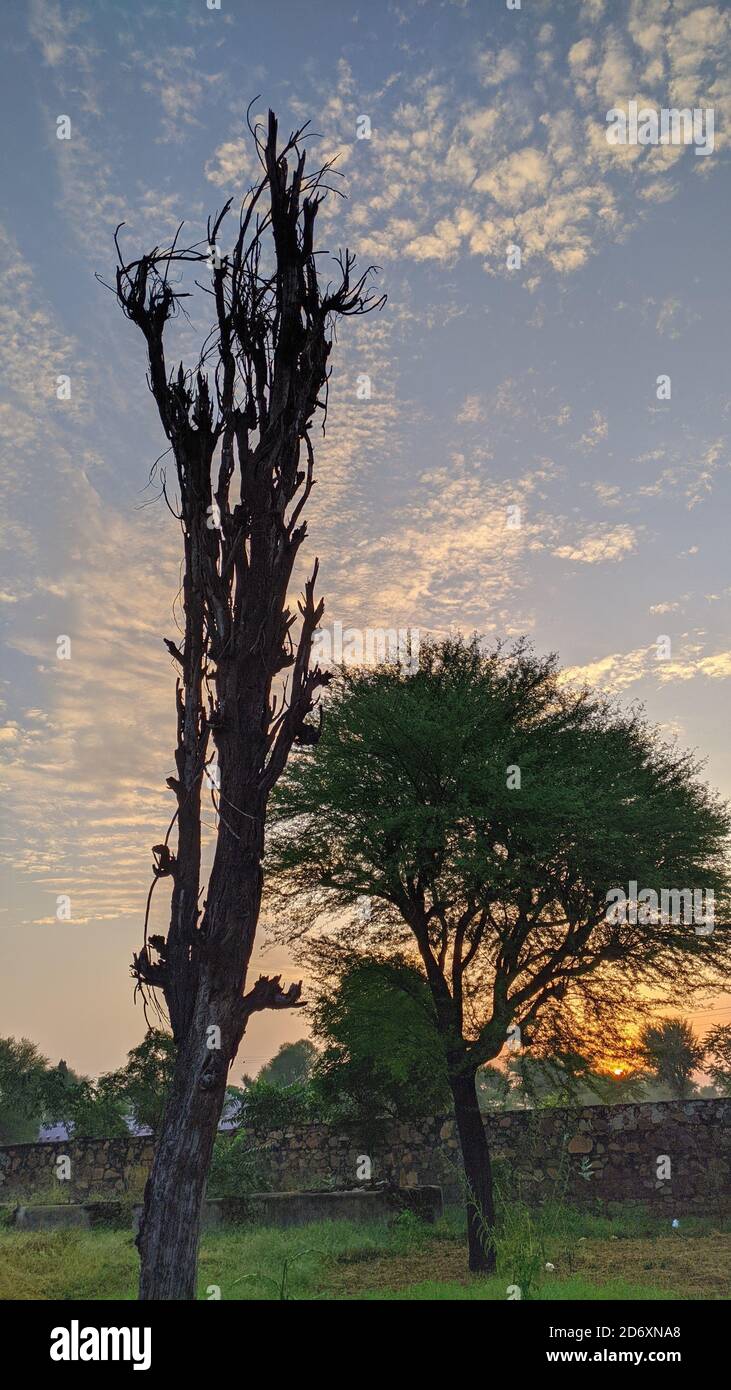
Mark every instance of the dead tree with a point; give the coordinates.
(239, 428)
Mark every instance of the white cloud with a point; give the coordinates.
(599, 545)
(598, 432)
(498, 67)
(472, 411)
(619, 670)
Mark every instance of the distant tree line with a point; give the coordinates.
(374, 1060)
(377, 1060)
(34, 1094)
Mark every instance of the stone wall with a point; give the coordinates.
(605, 1153)
(610, 1153)
(97, 1168)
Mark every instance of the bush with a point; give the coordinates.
(238, 1167)
(267, 1105)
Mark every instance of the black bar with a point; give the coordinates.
(222, 1337)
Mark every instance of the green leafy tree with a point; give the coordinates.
(291, 1065)
(717, 1053)
(486, 808)
(141, 1086)
(616, 1088)
(60, 1089)
(495, 1088)
(282, 1093)
(22, 1069)
(88, 1109)
(98, 1111)
(238, 1166)
(267, 1105)
(381, 1055)
(671, 1052)
(551, 1080)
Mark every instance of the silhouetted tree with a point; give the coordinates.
(671, 1052)
(486, 808)
(291, 1064)
(717, 1056)
(239, 427)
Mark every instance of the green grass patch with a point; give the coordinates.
(628, 1257)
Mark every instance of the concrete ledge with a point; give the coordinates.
(51, 1218)
(355, 1204)
(260, 1209)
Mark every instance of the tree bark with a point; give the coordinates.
(170, 1227)
(478, 1173)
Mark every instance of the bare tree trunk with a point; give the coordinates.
(170, 1229)
(478, 1174)
(236, 437)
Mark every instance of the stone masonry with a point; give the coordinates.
(674, 1155)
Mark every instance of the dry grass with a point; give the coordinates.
(687, 1266)
(696, 1266)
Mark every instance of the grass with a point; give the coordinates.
(630, 1256)
(493, 1291)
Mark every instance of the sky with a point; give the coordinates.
(493, 386)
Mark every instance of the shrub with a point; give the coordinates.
(237, 1168)
(267, 1105)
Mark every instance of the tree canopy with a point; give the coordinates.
(22, 1069)
(476, 817)
(484, 809)
(292, 1063)
(380, 1049)
(717, 1055)
(142, 1084)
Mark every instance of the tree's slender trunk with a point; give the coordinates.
(170, 1227)
(478, 1173)
(255, 407)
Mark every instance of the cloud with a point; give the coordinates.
(618, 671)
(612, 673)
(496, 67)
(517, 179)
(693, 478)
(600, 544)
(53, 28)
(446, 176)
(451, 556)
(87, 770)
(471, 411)
(609, 495)
(34, 350)
(232, 165)
(673, 317)
(665, 607)
(598, 432)
(177, 79)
